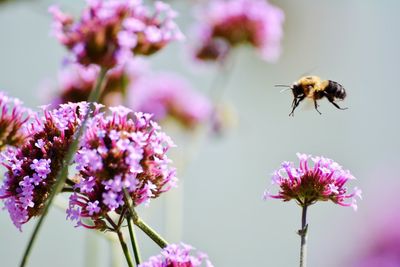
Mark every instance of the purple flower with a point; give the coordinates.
(129, 153)
(93, 207)
(179, 256)
(13, 121)
(32, 167)
(110, 32)
(169, 96)
(75, 82)
(325, 180)
(226, 24)
(41, 167)
(381, 236)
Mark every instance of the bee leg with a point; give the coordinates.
(331, 99)
(316, 107)
(336, 105)
(295, 103)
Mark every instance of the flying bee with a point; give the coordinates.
(314, 88)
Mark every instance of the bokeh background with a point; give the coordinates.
(218, 207)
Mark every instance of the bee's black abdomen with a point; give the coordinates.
(336, 90)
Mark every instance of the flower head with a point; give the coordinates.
(226, 24)
(325, 180)
(77, 81)
(169, 96)
(13, 119)
(32, 168)
(120, 150)
(108, 32)
(382, 238)
(177, 255)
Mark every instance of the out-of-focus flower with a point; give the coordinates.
(177, 255)
(77, 81)
(169, 96)
(120, 150)
(223, 119)
(324, 181)
(13, 119)
(32, 168)
(381, 240)
(226, 24)
(108, 32)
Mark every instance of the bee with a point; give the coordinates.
(314, 88)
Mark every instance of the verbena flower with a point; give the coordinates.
(226, 24)
(175, 255)
(32, 168)
(325, 180)
(13, 119)
(76, 82)
(108, 32)
(381, 240)
(120, 150)
(169, 96)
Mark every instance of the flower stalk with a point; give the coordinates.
(150, 232)
(63, 173)
(135, 246)
(303, 235)
(124, 247)
(161, 242)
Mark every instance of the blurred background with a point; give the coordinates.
(218, 206)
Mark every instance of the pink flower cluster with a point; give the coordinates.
(165, 95)
(75, 82)
(324, 181)
(175, 255)
(13, 119)
(108, 32)
(32, 167)
(169, 96)
(381, 245)
(226, 24)
(120, 150)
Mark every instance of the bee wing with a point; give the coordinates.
(308, 72)
(308, 104)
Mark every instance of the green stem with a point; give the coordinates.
(161, 242)
(303, 234)
(142, 225)
(124, 247)
(63, 173)
(117, 229)
(135, 246)
(220, 82)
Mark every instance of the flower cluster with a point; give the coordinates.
(169, 96)
(119, 151)
(226, 24)
(380, 235)
(77, 81)
(32, 168)
(324, 181)
(13, 119)
(110, 31)
(177, 255)
(384, 249)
